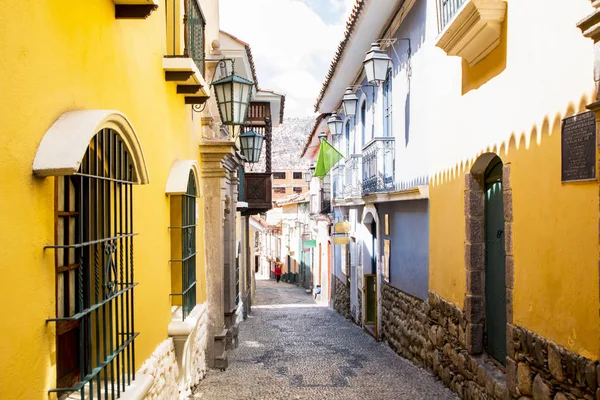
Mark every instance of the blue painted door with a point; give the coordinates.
(495, 278)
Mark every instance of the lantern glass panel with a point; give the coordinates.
(349, 102)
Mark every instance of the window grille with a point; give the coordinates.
(446, 10)
(95, 332)
(195, 33)
(183, 269)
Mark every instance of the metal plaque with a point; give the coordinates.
(578, 147)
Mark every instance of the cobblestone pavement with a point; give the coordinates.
(292, 348)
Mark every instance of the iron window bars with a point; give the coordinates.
(187, 262)
(446, 10)
(94, 272)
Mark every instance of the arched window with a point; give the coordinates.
(363, 122)
(183, 248)
(94, 270)
(387, 104)
(348, 138)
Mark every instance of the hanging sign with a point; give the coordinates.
(578, 147)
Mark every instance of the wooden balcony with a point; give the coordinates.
(258, 111)
(257, 192)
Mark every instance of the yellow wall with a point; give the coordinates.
(62, 55)
(512, 104)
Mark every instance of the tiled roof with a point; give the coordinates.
(350, 24)
(313, 131)
(292, 199)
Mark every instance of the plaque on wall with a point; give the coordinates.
(578, 147)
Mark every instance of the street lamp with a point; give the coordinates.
(251, 144)
(335, 124)
(308, 174)
(233, 95)
(376, 64)
(349, 101)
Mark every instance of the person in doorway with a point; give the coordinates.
(278, 270)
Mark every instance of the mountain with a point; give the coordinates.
(288, 142)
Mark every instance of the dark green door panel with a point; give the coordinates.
(495, 278)
(371, 299)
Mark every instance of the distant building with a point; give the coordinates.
(287, 182)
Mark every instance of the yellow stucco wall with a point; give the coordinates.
(62, 55)
(512, 104)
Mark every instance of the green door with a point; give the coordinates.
(370, 299)
(495, 278)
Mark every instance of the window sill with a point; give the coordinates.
(180, 327)
(189, 79)
(474, 31)
(138, 389)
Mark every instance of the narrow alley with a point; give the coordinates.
(291, 348)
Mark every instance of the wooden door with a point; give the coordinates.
(495, 278)
(370, 291)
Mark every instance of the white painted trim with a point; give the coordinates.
(184, 328)
(256, 226)
(178, 177)
(179, 64)
(63, 146)
(370, 209)
(139, 388)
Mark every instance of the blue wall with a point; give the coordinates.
(409, 247)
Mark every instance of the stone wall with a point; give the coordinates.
(341, 299)
(162, 366)
(543, 370)
(359, 319)
(404, 325)
(434, 334)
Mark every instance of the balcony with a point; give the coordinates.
(337, 177)
(184, 63)
(256, 190)
(470, 29)
(352, 177)
(378, 166)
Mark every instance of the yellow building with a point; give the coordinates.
(109, 145)
(475, 151)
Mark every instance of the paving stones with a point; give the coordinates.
(292, 348)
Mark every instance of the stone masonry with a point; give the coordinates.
(162, 366)
(543, 370)
(434, 334)
(341, 299)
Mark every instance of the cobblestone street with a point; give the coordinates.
(292, 348)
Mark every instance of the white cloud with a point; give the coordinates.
(291, 44)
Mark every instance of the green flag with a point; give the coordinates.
(328, 157)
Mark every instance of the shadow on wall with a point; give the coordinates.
(535, 137)
(488, 68)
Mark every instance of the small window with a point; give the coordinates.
(279, 190)
(278, 175)
(183, 249)
(297, 190)
(297, 175)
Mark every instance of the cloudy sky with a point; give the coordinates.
(292, 41)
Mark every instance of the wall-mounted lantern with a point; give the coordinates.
(376, 64)
(251, 145)
(350, 101)
(335, 124)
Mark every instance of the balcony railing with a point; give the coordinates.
(352, 172)
(378, 166)
(194, 24)
(258, 111)
(446, 10)
(337, 177)
(194, 32)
